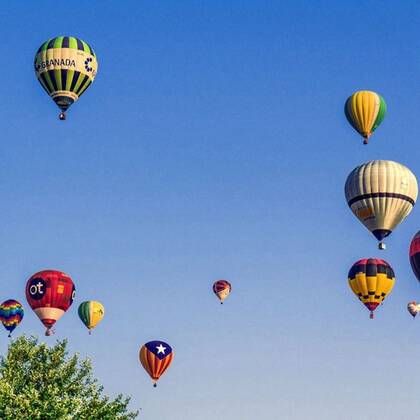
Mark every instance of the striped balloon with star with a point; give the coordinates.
(156, 357)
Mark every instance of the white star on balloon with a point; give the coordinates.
(161, 349)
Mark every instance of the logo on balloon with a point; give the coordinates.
(37, 288)
(73, 295)
(87, 64)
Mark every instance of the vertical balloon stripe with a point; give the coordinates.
(381, 113)
(76, 76)
(87, 82)
(73, 43)
(58, 42)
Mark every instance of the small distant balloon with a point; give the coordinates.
(365, 110)
(222, 289)
(50, 293)
(414, 308)
(91, 313)
(11, 314)
(156, 357)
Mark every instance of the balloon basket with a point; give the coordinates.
(381, 246)
(155, 385)
(62, 116)
(371, 316)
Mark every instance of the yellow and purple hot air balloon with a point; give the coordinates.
(11, 314)
(365, 110)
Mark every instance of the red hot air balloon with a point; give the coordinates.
(221, 289)
(415, 255)
(50, 293)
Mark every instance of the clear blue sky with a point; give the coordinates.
(213, 144)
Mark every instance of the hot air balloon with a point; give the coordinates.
(365, 110)
(91, 313)
(156, 356)
(413, 308)
(221, 289)
(50, 293)
(415, 255)
(371, 280)
(381, 193)
(11, 314)
(65, 66)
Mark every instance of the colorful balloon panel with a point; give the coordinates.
(65, 66)
(415, 255)
(156, 357)
(365, 110)
(221, 289)
(91, 313)
(11, 314)
(50, 293)
(381, 194)
(371, 280)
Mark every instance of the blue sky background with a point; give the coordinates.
(213, 145)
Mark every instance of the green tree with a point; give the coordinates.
(38, 382)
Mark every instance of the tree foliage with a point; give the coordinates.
(40, 382)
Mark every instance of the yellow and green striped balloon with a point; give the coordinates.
(65, 66)
(365, 110)
(91, 313)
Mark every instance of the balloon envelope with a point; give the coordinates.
(156, 357)
(413, 308)
(65, 66)
(371, 280)
(91, 313)
(50, 293)
(221, 289)
(415, 255)
(365, 110)
(381, 194)
(11, 314)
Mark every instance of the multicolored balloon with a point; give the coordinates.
(414, 308)
(50, 293)
(91, 313)
(156, 357)
(11, 314)
(415, 255)
(381, 194)
(221, 289)
(365, 110)
(371, 280)
(65, 66)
